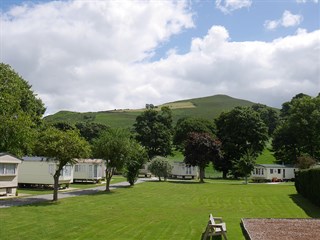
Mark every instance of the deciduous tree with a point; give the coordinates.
(200, 150)
(20, 113)
(91, 130)
(113, 146)
(62, 147)
(245, 165)
(239, 130)
(187, 125)
(137, 156)
(154, 131)
(299, 133)
(269, 116)
(160, 167)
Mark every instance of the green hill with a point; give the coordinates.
(206, 107)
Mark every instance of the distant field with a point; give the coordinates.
(155, 210)
(206, 107)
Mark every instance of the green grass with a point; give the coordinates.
(206, 107)
(34, 191)
(155, 210)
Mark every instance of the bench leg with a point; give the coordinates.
(205, 235)
(224, 235)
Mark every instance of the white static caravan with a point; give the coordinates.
(89, 170)
(8, 174)
(182, 170)
(273, 172)
(145, 171)
(39, 171)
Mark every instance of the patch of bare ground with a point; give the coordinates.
(284, 229)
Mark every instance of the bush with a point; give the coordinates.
(307, 183)
(160, 167)
(305, 162)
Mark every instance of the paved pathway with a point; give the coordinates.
(48, 197)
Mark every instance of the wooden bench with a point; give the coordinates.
(215, 227)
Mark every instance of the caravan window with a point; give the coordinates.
(279, 171)
(271, 171)
(8, 168)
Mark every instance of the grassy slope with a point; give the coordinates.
(166, 210)
(207, 107)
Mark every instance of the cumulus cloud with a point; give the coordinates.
(95, 55)
(269, 72)
(228, 6)
(57, 44)
(287, 20)
(305, 1)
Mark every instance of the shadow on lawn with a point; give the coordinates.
(183, 182)
(309, 208)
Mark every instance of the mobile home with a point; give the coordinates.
(182, 170)
(144, 171)
(89, 170)
(273, 172)
(40, 171)
(8, 174)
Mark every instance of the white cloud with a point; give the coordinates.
(93, 55)
(55, 45)
(287, 20)
(290, 20)
(272, 24)
(305, 1)
(271, 72)
(228, 6)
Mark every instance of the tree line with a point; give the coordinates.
(231, 142)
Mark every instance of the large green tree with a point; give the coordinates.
(20, 113)
(113, 146)
(154, 131)
(63, 147)
(240, 130)
(187, 125)
(268, 115)
(299, 133)
(91, 130)
(200, 150)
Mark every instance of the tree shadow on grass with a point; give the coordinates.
(309, 208)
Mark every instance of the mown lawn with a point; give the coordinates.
(155, 210)
(34, 191)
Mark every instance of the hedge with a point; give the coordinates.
(307, 183)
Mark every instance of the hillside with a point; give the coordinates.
(206, 107)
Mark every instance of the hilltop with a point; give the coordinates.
(205, 107)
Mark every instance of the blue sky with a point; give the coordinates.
(90, 55)
(246, 24)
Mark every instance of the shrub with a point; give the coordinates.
(160, 167)
(307, 183)
(305, 162)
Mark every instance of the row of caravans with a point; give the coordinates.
(179, 170)
(40, 171)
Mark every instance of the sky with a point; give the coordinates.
(96, 55)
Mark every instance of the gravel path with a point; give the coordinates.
(284, 229)
(11, 202)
